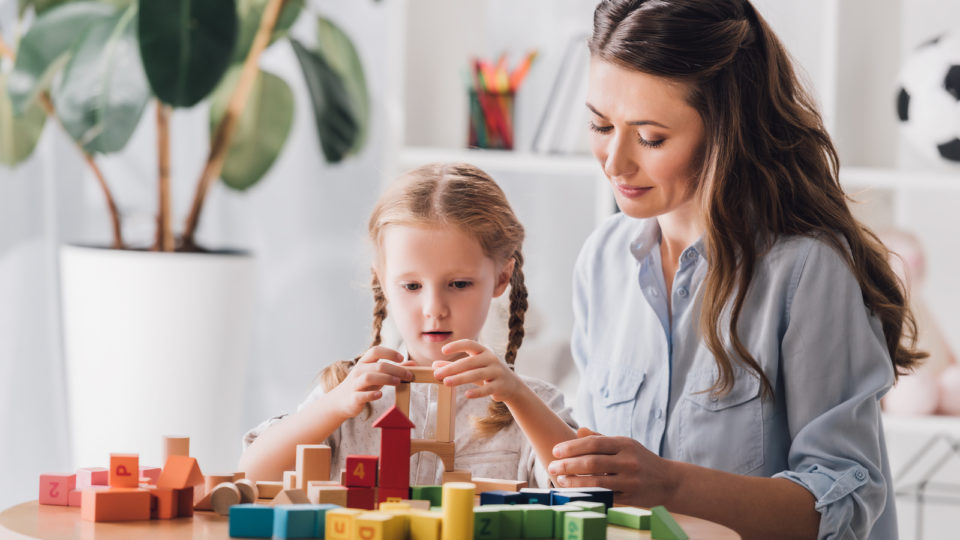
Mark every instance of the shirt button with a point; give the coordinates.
(860, 475)
(659, 414)
(682, 292)
(653, 292)
(690, 255)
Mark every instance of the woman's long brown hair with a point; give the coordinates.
(769, 167)
(452, 195)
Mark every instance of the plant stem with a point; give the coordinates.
(164, 241)
(47, 104)
(224, 132)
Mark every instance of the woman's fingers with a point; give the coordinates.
(591, 444)
(590, 464)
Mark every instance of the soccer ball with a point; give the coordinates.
(928, 102)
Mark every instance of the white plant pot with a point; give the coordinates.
(156, 344)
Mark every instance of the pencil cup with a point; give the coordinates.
(491, 120)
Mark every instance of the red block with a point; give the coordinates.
(364, 498)
(394, 449)
(361, 471)
(115, 504)
(164, 503)
(184, 502)
(92, 476)
(124, 470)
(384, 494)
(56, 488)
(75, 497)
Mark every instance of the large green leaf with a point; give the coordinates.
(48, 45)
(332, 107)
(104, 90)
(250, 12)
(262, 128)
(338, 50)
(186, 46)
(18, 134)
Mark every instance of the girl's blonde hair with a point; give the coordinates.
(451, 195)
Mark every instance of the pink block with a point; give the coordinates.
(151, 473)
(92, 476)
(56, 488)
(75, 497)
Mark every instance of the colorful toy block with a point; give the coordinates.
(313, 463)
(115, 504)
(238, 475)
(75, 498)
(180, 472)
(425, 525)
(124, 470)
(290, 496)
(248, 490)
(92, 476)
(457, 511)
(535, 496)
(251, 521)
(500, 497)
(185, 497)
(511, 520)
(663, 526)
(340, 523)
(294, 521)
(456, 476)
(394, 449)
(175, 446)
(377, 526)
(223, 497)
(327, 494)
(149, 475)
(269, 489)
(434, 494)
(558, 515)
(364, 498)
(599, 494)
(592, 506)
(486, 523)
(537, 520)
(321, 510)
(361, 471)
(559, 498)
(446, 414)
(388, 494)
(446, 451)
(55, 488)
(493, 484)
(628, 516)
(416, 505)
(163, 503)
(585, 526)
(289, 479)
(211, 481)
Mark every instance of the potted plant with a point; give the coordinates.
(157, 340)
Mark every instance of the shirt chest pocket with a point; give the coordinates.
(617, 401)
(723, 432)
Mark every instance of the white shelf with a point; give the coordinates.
(504, 160)
(854, 178)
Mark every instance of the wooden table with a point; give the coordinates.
(33, 520)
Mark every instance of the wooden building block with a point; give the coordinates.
(403, 398)
(494, 484)
(184, 501)
(559, 512)
(433, 494)
(294, 521)
(378, 526)
(361, 471)
(598, 494)
(313, 463)
(239, 475)
(585, 526)
(511, 520)
(628, 516)
(163, 503)
(180, 472)
(446, 414)
(75, 498)
(124, 470)
(290, 496)
(457, 511)
(444, 450)
(425, 525)
(394, 449)
(327, 494)
(289, 479)
(456, 476)
(211, 481)
(93, 476)
(340, 523)
(55, 488)
(321, 512)
(537, 520)
(486, 523)
(268, 489)
(150, 474)
(251, 521)
(663, 526)
(566, 497)
(363, 498)
(416, 505)
(592, 506)
(175, 445)
(388, 494)
(535, 496)
(500, 497)
(393, 506)
(248, 490)
(423, 374)
(204, 503)
(115, 504)
(223, 497)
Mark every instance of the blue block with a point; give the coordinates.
(251, 521)
(294, 521)
(558, 498)
(321, 510)
(500, 497)
(598, 494)
(535, 496)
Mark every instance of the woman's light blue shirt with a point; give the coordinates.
(644, 370)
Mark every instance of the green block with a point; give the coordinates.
(628, 516)
(591, 506)
(663, 526)
(486, 523)
(537, 520)
(434, 494)
(511, 519)
(585, 526)
(436, 509)
(559, 512)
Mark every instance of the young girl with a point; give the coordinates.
(446, 243)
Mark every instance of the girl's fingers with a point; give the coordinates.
(468, 346)
(373, 380)
(463, 365)
(396, 370)
(477, 376)
(368, 396)
(480, 391)
(378, 352)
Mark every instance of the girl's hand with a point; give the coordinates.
(636, 475)
(481, 367)
(365, 380)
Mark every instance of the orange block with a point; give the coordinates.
(150, 474)
(184, 502)
(115, 504)
(124, 470)
(163, 503)
(180, 472)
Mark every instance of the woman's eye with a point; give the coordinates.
(411, 286)
(600, 129)
(460, 284)
(649, 143)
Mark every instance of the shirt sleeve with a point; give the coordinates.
(836, 367)
(314, 395)
(530, 467)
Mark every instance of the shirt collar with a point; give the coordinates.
(648, 238)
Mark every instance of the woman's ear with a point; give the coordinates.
(503, 278)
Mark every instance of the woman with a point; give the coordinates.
(735, 325)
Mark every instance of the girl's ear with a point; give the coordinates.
(503, 278)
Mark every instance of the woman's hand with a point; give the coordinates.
(493, 377)
(636, 475)
(365, 380)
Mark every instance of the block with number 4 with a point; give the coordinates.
(361, 471)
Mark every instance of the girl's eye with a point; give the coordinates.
(411, 286)
(600, 129)
(460, 284)
(649, 144)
